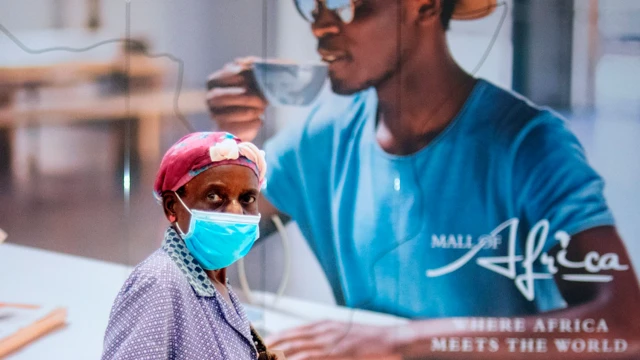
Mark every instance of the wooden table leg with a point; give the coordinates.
(6, 151)
(6, 141)
(150, 128)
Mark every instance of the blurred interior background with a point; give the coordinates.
(80, 141)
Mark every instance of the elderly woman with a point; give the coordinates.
(177, 304)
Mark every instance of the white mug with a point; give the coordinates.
(289, 84)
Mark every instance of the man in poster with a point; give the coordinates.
(433, 195)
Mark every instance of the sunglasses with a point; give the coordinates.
(344, 9)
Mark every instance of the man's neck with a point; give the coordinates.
(417, 103)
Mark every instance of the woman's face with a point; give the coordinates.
(226, 188)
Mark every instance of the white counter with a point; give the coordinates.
(87, 288)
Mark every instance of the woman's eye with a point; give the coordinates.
(214, 197)
(249, 199)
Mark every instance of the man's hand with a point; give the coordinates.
(277, 355)
(336, 340)
(234, 100)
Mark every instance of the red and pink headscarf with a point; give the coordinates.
(197, 152)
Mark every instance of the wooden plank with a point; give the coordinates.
(77, 71)
(141, 105)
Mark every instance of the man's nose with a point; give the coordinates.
(234, 207)
(326, 22)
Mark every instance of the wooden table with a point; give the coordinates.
(44, 64)
(147, 110)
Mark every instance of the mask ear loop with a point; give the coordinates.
(182, 233)
(244, 283)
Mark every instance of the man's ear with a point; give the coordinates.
(169, 202)
(428, 10)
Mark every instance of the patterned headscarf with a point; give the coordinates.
(197, 152)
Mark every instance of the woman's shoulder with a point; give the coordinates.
(157, 273)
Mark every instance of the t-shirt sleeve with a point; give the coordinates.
(298, 158)
(553, 180)
(284, 189)
(141, 321)
(304, 157)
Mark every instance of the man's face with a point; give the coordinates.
(366, 51)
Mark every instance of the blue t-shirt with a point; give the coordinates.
(418, 235)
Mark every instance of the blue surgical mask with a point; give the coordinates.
(216, 239)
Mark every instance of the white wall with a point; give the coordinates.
(617, 74)
(469, 40)
(205, 34)
(13, 14)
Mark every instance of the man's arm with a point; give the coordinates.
(615, 302)
(267, 211)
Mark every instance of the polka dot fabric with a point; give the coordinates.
(164, 311)
(175, 247)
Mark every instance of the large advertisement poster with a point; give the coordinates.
(319, 179)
